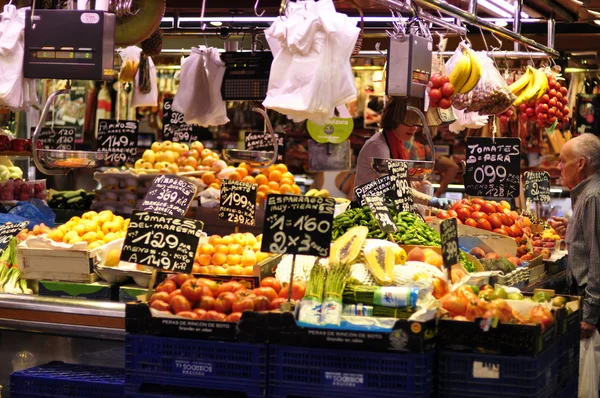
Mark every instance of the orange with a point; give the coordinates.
(219, 259)
(281, 167)
(289, 175)
(234, 259)
(268, 170)
(215, 240)
(235, 248)
(207, 249)
(242, 172)
(263, 188)
(208, 177)
(273, 185)
(275, 175)
(204, 259)
(285, 189)
(223, 249)
(249, 179)
(286, 181)
(261, 179)
(260, 197)
(296, 189)
(246, 166)
(234, 176)
(248, 271)
(227, 240)
(215, 185)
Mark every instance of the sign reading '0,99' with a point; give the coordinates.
(297, 224)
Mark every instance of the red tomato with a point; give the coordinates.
(200, 312)
(475, 207)
(298, 290)
(174, 293)
(189, 314)
(435, 94)
(243, 304)
(229, 287)
(180, 303)
(452, 213)
(507, 230)
(160, 305)
(225, 302)
(244, 293)
(167, 286)
(463, 213)
(495, 220)
(261, 303)
(448, 90)
(488, 208)
(270, 281)
(194, 290)
(514, 215)
(516, 230)
(484, 224)
(181, 278)
(476, 215)
(500, 231)
(163, 296)
(443, 215)
(212, 285)
(267, 292)
(214, 316)
(233, 317)
(507, 220)
(454, 304)
(275, 304)
(206, 303)
(437, 81)
(445, 103)
(470, 222)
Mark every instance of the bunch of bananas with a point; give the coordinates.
(531, 86)
(466, 73)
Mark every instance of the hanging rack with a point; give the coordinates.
(399, 6)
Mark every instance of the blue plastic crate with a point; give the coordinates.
(59, 379)
(474, 375)
(332, 373)
(570, 391)
(201, 364)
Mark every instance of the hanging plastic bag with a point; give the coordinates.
(588, 367)
(193, 96)
(35, 211)
(145, 91)
(130, 60)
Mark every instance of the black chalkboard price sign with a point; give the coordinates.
(449, 237)
(238, 202)
(174, 128)
(161, 241)
(119, 139)
(260, 141)
(493, 167)
(9, 231)
(402, 193)
(537, 186)
(381, 213)
(170, 195)
(379, 187)
(298, 225)
(57, 138)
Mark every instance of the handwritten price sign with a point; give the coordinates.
(57, 138)
(449, 236)
(169, 194)
(175, 128)
(381, 213)
(119, 139)
(537, 186)
(238, 202)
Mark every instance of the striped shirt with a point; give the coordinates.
(583, 242)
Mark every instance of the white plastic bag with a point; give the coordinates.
(130, 60)
(139, 98)
(588, 367)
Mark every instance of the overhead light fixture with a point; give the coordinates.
(508, 7)
(597, 21)
(216, 23)
(501, 23)
(578, 2)
(594, 12)
(493, 8)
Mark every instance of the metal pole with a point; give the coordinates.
(507, 54)
(424, 15)
(517, 23)
(472, 7)
(551, 32)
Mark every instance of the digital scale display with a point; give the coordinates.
(51, 54)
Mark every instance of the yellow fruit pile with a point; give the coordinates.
(234, 254)
(174, 157)
(94, 228)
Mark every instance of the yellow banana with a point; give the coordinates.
(475, 74)
(5, 161)
(521, 83)
(312, 192)
(524, 95)
(323, 193)
(460, 73)
(541, 76)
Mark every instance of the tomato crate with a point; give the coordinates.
(318, 372)
(206, 364)
(59, 379)
(475, 375)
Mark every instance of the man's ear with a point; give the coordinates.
(581, 164)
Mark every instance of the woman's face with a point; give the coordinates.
(405, 133)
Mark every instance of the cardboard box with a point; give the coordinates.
(129, 293)
(86, 291)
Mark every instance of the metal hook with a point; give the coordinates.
(202, 16)
(283, 8)
(32, 12)
(256, 10)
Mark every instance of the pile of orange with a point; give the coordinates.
(234, 254)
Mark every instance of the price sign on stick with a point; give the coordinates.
(381, 214)
(378, 187)
(119, 139)
(537, 186)
(493, 167)
(261, 141)
(161, 241)
(174, 128)
(170, 195)
(57, 138)
(449, 236)
(298, 225)
(9, 231)
(402, 193)
(238, 202)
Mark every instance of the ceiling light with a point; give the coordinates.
(493, 8)
(501, 23)
(578, 2)
(508, 7)
(216, 23)
(593, 12)
(597, 21)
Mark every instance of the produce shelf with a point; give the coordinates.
(59, 379)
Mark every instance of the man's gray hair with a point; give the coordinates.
(588, 146)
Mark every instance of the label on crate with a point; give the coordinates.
(449, 237)
(342, 379)
(298, 225)
(9, 231)
(486, 370)
(192, 368)
(119, 139)
(238, 202)
(57, 138)
(261, 141)
(537, 186)
(493, 167)
(174, 128)
(381, 213)
(161, 241)
(401, 195)
(170, 195)
(378, 187)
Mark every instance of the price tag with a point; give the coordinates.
(537, 186)
(119, 139)
(161, 241)
(238, 202)
(9, 231)
(402, 193)
(381, 213)
(57, 138)
(493, 167)
(486, 370)
(298, 225)
(260, 141)
(174, 128)
(378, 187)
(449, 237)
(170, 195)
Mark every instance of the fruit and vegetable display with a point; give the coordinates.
(174, 157)
(94, 228)
(71, 200)
(8, 170)
(10, 276)
(440, 91)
